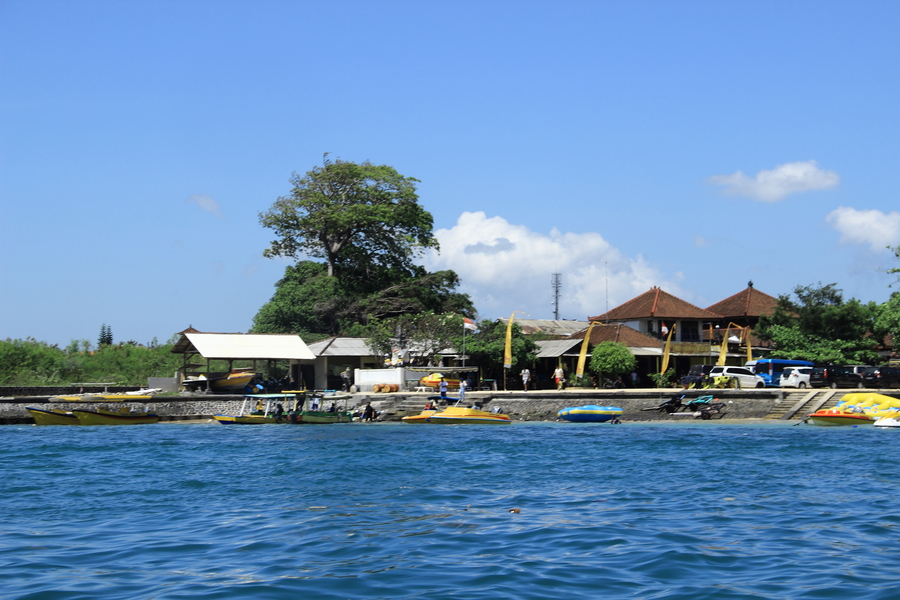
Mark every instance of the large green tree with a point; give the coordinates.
(356, 216)
(817, 324)
(611, 359)
(309, 302)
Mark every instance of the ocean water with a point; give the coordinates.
(697, 510)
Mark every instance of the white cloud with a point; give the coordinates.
(206, 203)
(866, 226)
(774, 185)
(506, 267)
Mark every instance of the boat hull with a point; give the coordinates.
(104, 417)
(101, 398)
(458, 415)
(423, 417)
(321, 417)
(52, 417)
(590, 413)
(887, 422)
(233, 382)
(250, 419)
(835, 418)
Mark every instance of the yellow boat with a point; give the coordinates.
(259, 416)
(837, 416)
(100, 398)
(229, 382)
(423, 417)
(124, 416)
(459, 415)
(52, 417)
(250, 419)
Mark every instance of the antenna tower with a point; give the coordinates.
(556, 283)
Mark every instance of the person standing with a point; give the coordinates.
(559, 376)
(462, 392)
(443, 388)
(526, 375)
(345, 380)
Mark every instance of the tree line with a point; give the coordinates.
(365, 225)
(32, 363)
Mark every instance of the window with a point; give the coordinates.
(690, 331)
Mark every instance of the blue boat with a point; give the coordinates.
(590, 413)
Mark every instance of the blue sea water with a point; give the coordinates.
(698, 510)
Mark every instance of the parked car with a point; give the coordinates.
(696, 376)
(746, 377)
(882, 377)
(795, 377)
(834, 376)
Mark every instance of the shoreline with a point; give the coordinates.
(539, 405)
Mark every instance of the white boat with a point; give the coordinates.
(887, 422)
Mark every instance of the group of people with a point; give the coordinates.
(559, 377)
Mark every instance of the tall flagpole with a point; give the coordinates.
(464, 341)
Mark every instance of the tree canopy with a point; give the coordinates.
(355, 216)
(308, 302)
(485, 346)
(820, 326)
(612, 359)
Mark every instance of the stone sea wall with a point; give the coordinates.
(521, 406)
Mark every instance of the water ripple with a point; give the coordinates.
(694, 510)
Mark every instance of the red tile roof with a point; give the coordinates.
(747, 303)
(657, 304)
(617, 332)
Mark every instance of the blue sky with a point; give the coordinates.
(689, 145)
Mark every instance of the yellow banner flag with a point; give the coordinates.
(665, 361)
(724, 350)
(579, 371)
(507, 350)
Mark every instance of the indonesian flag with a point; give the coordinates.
(468, 324)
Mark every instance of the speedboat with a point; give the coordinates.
(52, 417)
(839, 416)
(124, 416)
(590, 413)
(460, 415)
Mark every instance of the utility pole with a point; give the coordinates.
(556, 283)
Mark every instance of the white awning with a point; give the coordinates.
(250, 346)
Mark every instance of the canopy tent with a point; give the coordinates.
(232, 347)
(244, 346)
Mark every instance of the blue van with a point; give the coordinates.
(770, 369)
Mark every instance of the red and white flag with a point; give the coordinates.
(468, 324)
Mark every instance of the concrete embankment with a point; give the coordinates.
(540, 405)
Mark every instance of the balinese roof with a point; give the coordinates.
(747, 303)
(244, 346)
(617, 332)
(656, 304)
(556, 348)
(342, 346)
(559, 327)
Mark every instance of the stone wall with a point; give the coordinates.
(521, 406)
